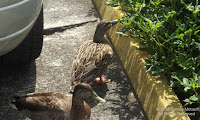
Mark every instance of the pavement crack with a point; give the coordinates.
(50, 31)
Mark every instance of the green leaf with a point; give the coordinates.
(187, 100)
(193, 98)
(180, 25)
(142, 28)
(130, 20)
(158, 24)
(198, 96)
(149, 22)
(197, 31)
(190, 7)
(122, 34)
(170, 15)
(175, 77)
(149, 70)
(125, 21)
(193, 85)
(186, 89)
(197, 45)
(185, 81)
(166, 35)
(112, 4)
(181, 35)
(197, 9)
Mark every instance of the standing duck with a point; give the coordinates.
(55, 105)
(93, 57)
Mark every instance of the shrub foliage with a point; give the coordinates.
(170, 31)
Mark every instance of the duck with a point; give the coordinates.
(93, 57)
(55, 105)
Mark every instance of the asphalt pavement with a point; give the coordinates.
(67, 24)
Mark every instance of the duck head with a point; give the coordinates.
(101, 30)
(85, 91)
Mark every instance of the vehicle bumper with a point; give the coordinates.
(16, 22)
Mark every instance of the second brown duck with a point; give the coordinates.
(55, 105)
(93, 57)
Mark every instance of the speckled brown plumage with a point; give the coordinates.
(100, 56)
(93, 57)
(55, 105)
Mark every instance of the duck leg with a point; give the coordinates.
(101, 79)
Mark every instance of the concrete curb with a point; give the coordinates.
(157, 98)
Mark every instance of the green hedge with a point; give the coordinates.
(170, 31)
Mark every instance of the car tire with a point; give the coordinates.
(30, 48)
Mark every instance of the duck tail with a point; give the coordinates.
(15, 103)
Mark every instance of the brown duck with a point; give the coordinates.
(55, 105)
(93, 57)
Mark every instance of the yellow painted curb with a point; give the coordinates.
(157, 98)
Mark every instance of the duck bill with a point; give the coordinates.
(114, 22)
(95, 96)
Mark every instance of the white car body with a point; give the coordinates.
(17, 17)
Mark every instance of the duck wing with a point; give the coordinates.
(92, 59)
(87, 73)
(47, 104)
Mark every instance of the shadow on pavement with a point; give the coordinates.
(126, 106)
(15, 80)
(119, 94)
(92, 12)
(101, 90)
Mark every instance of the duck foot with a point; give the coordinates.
(102, 80)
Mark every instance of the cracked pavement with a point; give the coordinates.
(67, 25)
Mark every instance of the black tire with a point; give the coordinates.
(30, 48)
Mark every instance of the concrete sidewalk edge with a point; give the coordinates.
(156, 97)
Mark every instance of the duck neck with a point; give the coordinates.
(77, 111)
(77, 101)
(100, 38)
